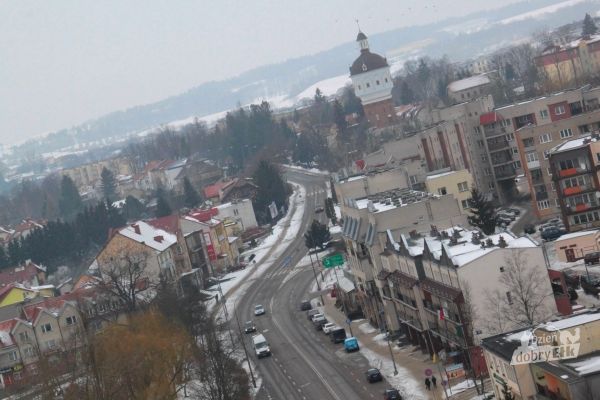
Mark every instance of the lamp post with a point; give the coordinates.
(226, 313)
(390, 344)
(244, 346)
(316, 279)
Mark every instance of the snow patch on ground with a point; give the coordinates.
(367, 328)
(328, 87)
(541, 12)
(314, 171)
(461, 387)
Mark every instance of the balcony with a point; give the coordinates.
(533, 164)
(581, 207)
(505, 173)
(495, 132)
(501, 158)
(498, 145)
(569, 191)
(537, 179)
(541, 196)
(563, 173)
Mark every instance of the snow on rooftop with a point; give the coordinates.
(571, 321)
(573, 144)
(435, 176)
(145, 233)
(587, 366)
(468, 83)
(576, 235)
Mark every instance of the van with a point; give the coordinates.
(261, 346)
(351, 344)
(337, 335)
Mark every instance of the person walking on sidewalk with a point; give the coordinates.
(427, 383)
(434, 381)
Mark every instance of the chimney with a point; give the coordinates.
(159, 238)
(444, 235)
(434, 231)
(475, 239)
(136, 228)
(413, 234)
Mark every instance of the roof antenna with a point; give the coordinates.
(357, 24)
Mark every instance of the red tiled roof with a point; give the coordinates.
(204, 215)
(49, 304)
(170, 223)
(6, 328)
(213, 190)
(21, 274)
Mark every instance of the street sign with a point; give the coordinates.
(428, 372)
(333, 260)
(348, 321)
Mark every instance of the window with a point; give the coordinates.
(412, 179)
(515, 150)
(531, 156)
(487, 171)
(528, 142)
(546, 154)
(71, 320)
(556, 202)
(13, 355)
(566, 133)
(598, 157)
(28, 352)
(386, 80)
(549, 171)
(466, 203)
(483, 157)
(236, 212)
(46, 328)
(566, 164)
(442, 191)
(543, 204)
(553, 186)
(509, 298)
(559, 110)
(463, 187)
(51, 344)
(544, 113)
(480, 143)
(23, 336)
(517, 164)
(545, 138)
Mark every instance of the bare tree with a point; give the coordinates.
(127, 278)
(522, 299)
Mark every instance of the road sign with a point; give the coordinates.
(333, 260)
(348, 321)
(428, 372)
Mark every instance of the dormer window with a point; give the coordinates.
(364, 67)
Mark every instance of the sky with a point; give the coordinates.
(63, 62)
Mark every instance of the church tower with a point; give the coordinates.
(372, 81)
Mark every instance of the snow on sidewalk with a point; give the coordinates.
(314, 171)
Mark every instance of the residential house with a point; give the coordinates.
(17, 293)
(159, 174)
(456, 183)
(200, 173)
(237, 215)
(469, 88)
(212, 192)
(575, 166)
(238, 189)
(574, 246)
(28, 275)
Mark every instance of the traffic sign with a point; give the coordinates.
(333, 260)
(428, 372)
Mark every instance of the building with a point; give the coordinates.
(574, 246)
(238, 215)
(469, 88)
(369, 182)
(456, 183)
(28, 275)
(364, 218)
(16, 293)
(572, 63)
(558, 378)
(372, 82)
(88, 175)
(574, 165)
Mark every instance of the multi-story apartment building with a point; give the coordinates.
(469, 88)
(365, 218)
(456, 183)
(370, 182)
(574, 377)
(572, 63)
(575, 167)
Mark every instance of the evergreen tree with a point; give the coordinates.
(339, 117)
(483, 213)
(162, 206)
(330, 210)
(109, 184)
(589, 27)
(3, 258)
(507, 393)
(333, 193)
(133, 208)
(406, 94)
(70, 202)
(190, 195)
(319, 98)
(317, 235)
(271, 187)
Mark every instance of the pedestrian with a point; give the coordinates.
(434, 381)
(427, 383)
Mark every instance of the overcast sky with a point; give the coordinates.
(65, 61)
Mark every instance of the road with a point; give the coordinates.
(304, 364)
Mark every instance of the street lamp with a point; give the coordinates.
(316, 279)
(244, 345)
(387, 334)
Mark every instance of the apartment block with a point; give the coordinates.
(456, 183)
(372, 181)
(575, 166)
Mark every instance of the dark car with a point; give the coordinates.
(249, 327)
(305, 305)
(529, 228)
(551, 233)
(515, 211)
(592, 258)
(373, 375)
(590, 287)
(319, 210)
(391, 394)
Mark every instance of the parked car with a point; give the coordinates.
(590, 287)
(311, 313)
(503, 220)
(391, 394)
(337, 335)
(351, 344)
(515, 211)
(328, 327)
(551, 233)
(592, 258)
(305, 305)
(259, 310)
(249, 327)
(374, 375)
(318, 321)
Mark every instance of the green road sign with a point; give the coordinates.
(333, 260)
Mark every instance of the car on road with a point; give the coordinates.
(311, 313)
(337, 335)
(351, 344)
(328, 327)
(318, 321)
(305, 305)
(319, 210)
(373, 375)
(259, 310)
(249, 327)
(552, 233)
(391, 394)
(261, 346)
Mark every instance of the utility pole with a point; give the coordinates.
(316, 279)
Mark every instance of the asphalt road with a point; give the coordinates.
(304, 364)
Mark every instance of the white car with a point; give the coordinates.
(259, 310)
(317, 316)
(328, 327)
